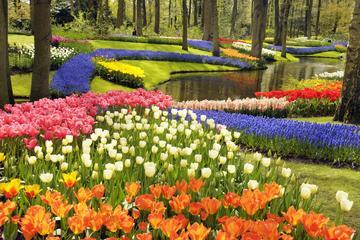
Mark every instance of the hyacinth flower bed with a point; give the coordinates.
(332, 143)
(303, 50)
(201, 44)
(144, 173)
(120, 73)
(75, 75)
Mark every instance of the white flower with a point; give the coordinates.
(173, 150)
(164, 156)
(206, 172)
(231, 169)
(217, 147)
(110, 166)
(257, 156)
(69, 138)
(48, 143)
(142, 135)
(183, 163)
(46, 177)
(194, 165)
(124, 149)
(248, 168)
(213, 154)
(64, 166)
(142, 144)
(118, 156)
(162, 144)
(203, 118)
(170, 168)
(32, 160)
(139, 160)
(286, 172)
(191, 172)
(198, 158)
(340, 195)
(236, 135)
(265, 161)
(108, 174)
(253, 184)
(94, 174)
(112, 153)
(156, 139)
(119, 166)
(154, 149)
(230, 155)
(222, 160)
(282, 191)
(305, 192)
(87, 163)
(127, 163)
(346, 205)
(150, 169)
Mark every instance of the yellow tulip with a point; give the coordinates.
(2, 157)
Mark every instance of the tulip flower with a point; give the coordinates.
(11, 189)
(70, 180)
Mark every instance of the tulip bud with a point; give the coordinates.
(346, 205)
(286, 172)
(253, 184)
(248, 168)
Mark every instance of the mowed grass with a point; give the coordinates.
(20, 39)
(156, 72)
(329, 54)
(330, 180)
(21, 83)
(145, 46)
(328, 119)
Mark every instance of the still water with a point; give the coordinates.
(218, 86)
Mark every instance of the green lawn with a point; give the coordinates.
(20, 39)
(316, 119)
(329, 54)
(21, 83)
(330, 180)
(289, 57)
(156, 72)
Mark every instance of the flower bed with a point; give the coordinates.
(246, 47)
(229, 52)
(271, 107)
(76, 74)
(303, 50)
(333, 75)
(143, 175)
(332, 142)
(120, 73)
(201, 44)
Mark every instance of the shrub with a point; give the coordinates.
(341, 48)
(120, 73)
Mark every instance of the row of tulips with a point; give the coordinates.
(183, 175)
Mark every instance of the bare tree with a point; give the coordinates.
(234, 17)
(349, 109)
(6, 94)
(284, 27)
(185, 26)
(207, 19)
(308, 18)
(258, 26)
(215, 28)
(317, 27)
(139, 19)
(277, 21)
(120, 13)
(42, 37)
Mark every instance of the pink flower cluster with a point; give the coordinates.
(238, 105)
(73, 115)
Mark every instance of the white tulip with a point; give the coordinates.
(150, 169)
(248, 168)
(191, 172)
(340, 195)
(198, 158)
(305, 192)
(139, 160)
(286, 172)
(194, 166)
(236, 135)
(206, 172)
(46, 177)
(154, 149)
(127, 163)
(203, 118)
(124, 149)
(164, 156)
(118, 156)
(142, 135)
(222, 160)
(230, 155)
(156, 139)
(87, 163)
(231, 169)
(346, 205)
(183, 163)
(32, 160)
(110, 166)
(108, 174)
(253, 184)
(217, 147)
(64, 166)
(162, 144)
(266, 161)
(213, 154)
(170, 168)
(257, 156)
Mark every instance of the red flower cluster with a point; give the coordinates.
(72, 115)
(307, 93)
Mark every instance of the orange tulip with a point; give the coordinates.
(145, 202)
(223, 236)
(156, 190)
(314, 224)
(182, 186)
(210, 205)
(251, 236)
(286, 237)
(267, 230)
(84, 194)
(15, 219)
(341, 232)
(235, 227)
(32, 190)
(36, 220)
(170, 226)
(60, 209)
(272, 191)
(76, 224)
(182, 219)
(158, 207)
(179, 203)
(50, 197)
(155, 219)
(10, 189)
(126, 222)
(132, 190)
(142, 226)
(144, 236)
(70, 179)
(198, 232)
(58, 238)
(88, 238)
(81, 209)
(249, 202)
(98, 191)
(6, 209)
(182, 236)
(195, 208)
(292, 216)
(168, 191)
(231, 199)
(135, 213)
(93, 220)
(196, 184)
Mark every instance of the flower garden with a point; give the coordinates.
(127, 165)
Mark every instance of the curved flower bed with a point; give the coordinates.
(74, 76)
(142, 175)
(307, 93)
(340, 143)
(201, 44)
(304, 50)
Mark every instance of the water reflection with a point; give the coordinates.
(244, 84)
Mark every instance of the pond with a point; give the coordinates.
(219, 86)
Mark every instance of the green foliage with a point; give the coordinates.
(312, 108)
(153, 40)
(80, 28)
(79, 47)
(301, 42)
(340, 48)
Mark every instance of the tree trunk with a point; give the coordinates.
(157, 17)
(120, 13)
(32, 16)
(169, 23)
(337, 19)
(189, 12)
(201, 13)
(207, 20)
(292, 21)
(233, 17)
(134, 12)
(284, 27)
(144, 13)
(185, 26)
(258, 27)
(349, 109)
(196, 10)
(308, 17)
(317, 27)
(139, 18)
(215, 29)
(42, 37)
(6, 94)
(278, 23)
